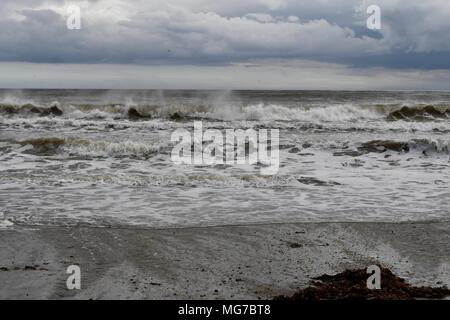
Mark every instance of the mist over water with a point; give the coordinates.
(102, 158)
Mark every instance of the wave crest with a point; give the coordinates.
(419, 113)
(82, 147)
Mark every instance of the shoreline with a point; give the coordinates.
(217, 262)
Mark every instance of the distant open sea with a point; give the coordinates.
(102, 158)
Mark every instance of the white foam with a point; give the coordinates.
(4, 223)
(317, 114)
(104, 148)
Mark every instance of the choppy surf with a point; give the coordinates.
(103, 157)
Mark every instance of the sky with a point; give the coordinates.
(233, 44)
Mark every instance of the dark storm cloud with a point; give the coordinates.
(415, 34)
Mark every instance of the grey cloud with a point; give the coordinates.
(200, 31)
(174, 32)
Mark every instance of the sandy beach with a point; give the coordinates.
(227, 262)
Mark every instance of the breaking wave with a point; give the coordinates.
(140, 150)
(189, 112)
(355, 149)
(229, 112)
(83, 147)
(419, 113)
(116, 149)
(429, 145)
(425, 146)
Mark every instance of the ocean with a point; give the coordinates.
(103, 158)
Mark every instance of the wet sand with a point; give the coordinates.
(229, 262)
